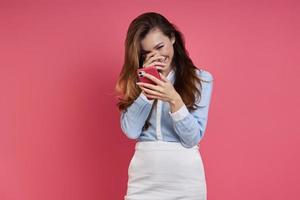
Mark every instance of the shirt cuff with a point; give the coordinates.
(145, 98)
(180, 114)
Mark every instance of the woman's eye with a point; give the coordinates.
(145, 54)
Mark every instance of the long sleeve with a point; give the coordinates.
(190, 126)
(132, 120)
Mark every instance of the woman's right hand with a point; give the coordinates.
(154, 59)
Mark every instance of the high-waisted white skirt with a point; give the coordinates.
(162, 170)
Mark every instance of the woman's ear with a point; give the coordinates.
(173, 38)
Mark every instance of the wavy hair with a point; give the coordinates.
(186, 78)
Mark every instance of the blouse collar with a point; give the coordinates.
(171, 75)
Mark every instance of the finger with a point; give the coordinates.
(154, 79)
(149, 55)
(145, 92)
(163, 77)
(156, 97)
(155, 59)
(159, 63)
(150, 86)
(152, 92)
(159, 68)
(155, 64)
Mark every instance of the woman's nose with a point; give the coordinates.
(155, 53)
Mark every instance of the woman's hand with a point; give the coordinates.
(153, 59)
(163, 90)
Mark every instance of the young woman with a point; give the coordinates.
(167, 164)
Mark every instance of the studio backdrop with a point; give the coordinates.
(60, 136)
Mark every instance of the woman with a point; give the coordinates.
(167, 164)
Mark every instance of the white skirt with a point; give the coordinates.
(162, 170)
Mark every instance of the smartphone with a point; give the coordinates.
(149, 70)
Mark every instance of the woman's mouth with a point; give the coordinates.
(164, 60)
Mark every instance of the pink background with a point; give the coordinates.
(60, 136)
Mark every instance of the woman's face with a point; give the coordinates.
(156, 41)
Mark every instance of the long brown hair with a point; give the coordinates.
(186, 78)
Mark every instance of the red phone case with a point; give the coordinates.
(149, 70)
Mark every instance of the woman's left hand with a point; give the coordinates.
(163, 89)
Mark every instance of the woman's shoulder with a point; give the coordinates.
(204, 74)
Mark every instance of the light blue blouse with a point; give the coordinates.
(182, 126)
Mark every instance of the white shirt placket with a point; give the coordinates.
(159, 109)
(158, 120)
